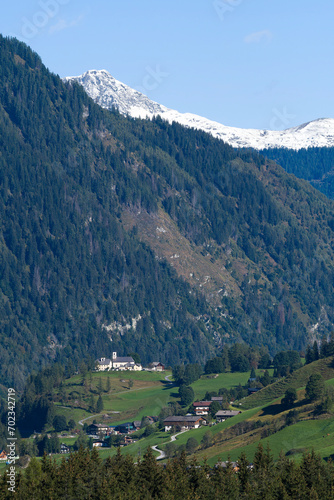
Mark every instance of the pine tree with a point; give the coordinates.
(150, 476)
(177, 478)
(315, 387)
(108, 387)
(243, 472)
(309, 355)
(315, 351)
(91, 406)
(99, 386)
(99, 404)
(231, 485)
(252, 374)
(289, 397)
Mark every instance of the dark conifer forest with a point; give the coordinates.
(84, 475)
(315, 165)
(74, 276)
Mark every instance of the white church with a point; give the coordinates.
(117, 363)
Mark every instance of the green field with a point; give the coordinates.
(296, 380)
(149, 392)
(135, 404)
(215, 382)
(302, 436)
(117, 376)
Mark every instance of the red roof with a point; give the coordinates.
(202, 403)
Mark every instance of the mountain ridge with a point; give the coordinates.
(109, 92)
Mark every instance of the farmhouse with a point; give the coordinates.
(125, 428)
(3, 456)
(202, 407)
(222, 415)
(156, 366)
(136, 424)
(100, 444)
(252, 390)
(98, 429)
(128, 440)
(224, 465)
(184, 423)
(64, 448)
(103, 364)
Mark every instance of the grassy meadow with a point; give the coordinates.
(130, 396)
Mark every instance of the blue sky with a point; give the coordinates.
(244, 63)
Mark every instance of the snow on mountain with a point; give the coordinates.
(109, 92)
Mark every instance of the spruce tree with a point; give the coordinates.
(99, 404)
(244, 471)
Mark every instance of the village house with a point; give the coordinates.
(129, 440)
(136, 424)
(100, 444)
(99, 430)
(182, 422)
(224, 465)
(252, 390)
(103, 364)
(202, 407)
(64, 448)
(222, 415)
(3, 456)
(149, 421)
(125, 428)
(156, 366)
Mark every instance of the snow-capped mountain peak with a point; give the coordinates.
(109, 92)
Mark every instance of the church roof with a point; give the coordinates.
(125, 359)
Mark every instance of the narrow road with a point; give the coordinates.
(174, 436)
(162, 453)
(92, 416)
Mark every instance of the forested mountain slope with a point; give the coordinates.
(305, 151)
(316, 165)
(67, 265)
(96, 209)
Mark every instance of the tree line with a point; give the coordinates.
(85, 475)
